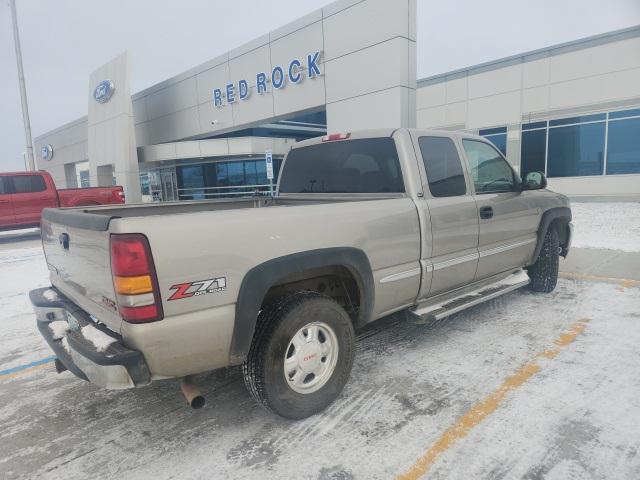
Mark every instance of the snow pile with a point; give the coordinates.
(59, 329)
(613, 226)
(99, 339)
(50, 295)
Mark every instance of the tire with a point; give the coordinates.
(301, 394)
(544, 273)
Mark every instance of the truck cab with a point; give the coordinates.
(23, 196)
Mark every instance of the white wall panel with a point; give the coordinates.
(496, 81)
(355, 65)
(431, 95)
(495, 110)
(364, 24)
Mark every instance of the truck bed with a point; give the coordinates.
(98, 217)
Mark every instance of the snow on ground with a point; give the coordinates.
(19, 234)
(579, 417)
(614, 226)
(21, 269)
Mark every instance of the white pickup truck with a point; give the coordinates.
(363, 225)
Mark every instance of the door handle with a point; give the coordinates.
(486, 212)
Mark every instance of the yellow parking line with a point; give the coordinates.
(486, 407)
(624, 282)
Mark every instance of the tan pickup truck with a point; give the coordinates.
(363, 225)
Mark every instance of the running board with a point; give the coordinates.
(470, 299)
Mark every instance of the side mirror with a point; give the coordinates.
(534, 181)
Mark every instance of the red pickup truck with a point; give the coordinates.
(23, 195)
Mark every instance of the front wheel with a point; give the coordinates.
(301, 355)
(544, 273)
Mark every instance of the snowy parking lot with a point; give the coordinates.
(524, 386)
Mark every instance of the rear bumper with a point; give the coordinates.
(89, 355)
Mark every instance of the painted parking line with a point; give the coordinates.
(624, 282)
(26, 368)
(486, 407)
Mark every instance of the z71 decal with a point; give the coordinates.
(192, 289)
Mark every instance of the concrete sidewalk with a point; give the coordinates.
(602, 262)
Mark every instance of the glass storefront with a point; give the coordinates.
(588, 145)
(224, 179)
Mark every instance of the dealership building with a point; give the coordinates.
(571, 110)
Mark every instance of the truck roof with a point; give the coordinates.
(385, 132)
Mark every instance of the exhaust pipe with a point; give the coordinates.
(195, 399)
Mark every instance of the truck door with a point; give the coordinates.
(508, 221)
(7, 218)
(29, 197)
(450, 204)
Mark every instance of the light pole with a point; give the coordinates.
(23, 91)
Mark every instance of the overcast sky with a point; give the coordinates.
(64, 40)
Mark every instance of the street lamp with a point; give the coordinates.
(23, 90)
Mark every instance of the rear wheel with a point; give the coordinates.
(301, 355)
(544, 273)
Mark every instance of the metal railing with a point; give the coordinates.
(207, 193)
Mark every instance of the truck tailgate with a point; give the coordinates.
(76, 247)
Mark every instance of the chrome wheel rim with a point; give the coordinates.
(311, 357)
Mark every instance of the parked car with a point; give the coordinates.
(363, 225)
(23, 195)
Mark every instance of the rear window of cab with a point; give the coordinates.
(367, 165)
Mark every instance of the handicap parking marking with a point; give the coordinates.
(26, 368)
(490, 404)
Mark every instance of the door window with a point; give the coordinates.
(443, 167)
(4, 187)
(490, 171)
(28, 184)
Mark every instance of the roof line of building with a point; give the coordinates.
(565, 47)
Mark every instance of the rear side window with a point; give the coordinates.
(354, 166)
(3, 186)
(28, 184)
(443, 167)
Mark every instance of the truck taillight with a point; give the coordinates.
(134, 278)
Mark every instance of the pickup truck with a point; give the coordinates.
(23, 195)
(362, 225)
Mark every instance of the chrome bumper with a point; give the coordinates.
(110, 364)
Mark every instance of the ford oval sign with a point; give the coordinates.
(104, 91)
(46, 152)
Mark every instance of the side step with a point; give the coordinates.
(470, 299)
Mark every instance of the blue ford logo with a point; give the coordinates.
(103, 91)
(46, 152)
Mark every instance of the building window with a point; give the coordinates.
(586, 145)
(576, 150)
(533, 149)
(224, 179)
(497, 136)
(623, 145)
